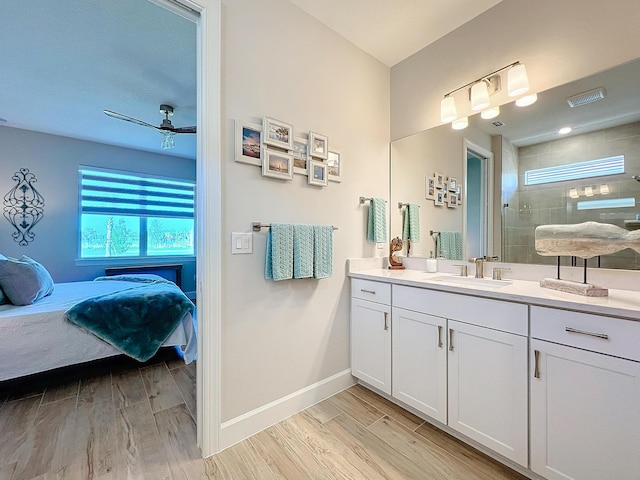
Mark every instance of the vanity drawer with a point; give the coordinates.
(374, 291)
(612, 336)
(496, 314)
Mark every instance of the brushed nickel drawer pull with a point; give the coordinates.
(367, 291)
(439, 336)
(451, 339)
(386, 325)
(536, 365)
(604, 336)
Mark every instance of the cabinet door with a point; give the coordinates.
(585, 414)
(419, 353)
(371, 343)
(488, 388)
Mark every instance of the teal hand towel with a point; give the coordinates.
(302, 251)
(411, 226)
(322, 251)
(279, 258)
(449, 245)
(377, 225)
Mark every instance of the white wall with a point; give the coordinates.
(279, 337)
(54, 160)
(558, 41)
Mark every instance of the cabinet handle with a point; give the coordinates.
(367, 291)
(439, 336)
(386, 325)
(591, 334)
(536, 364)
(451, 339)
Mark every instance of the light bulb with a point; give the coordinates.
(479, 96)
(448, 111)
(490, 113)
(527, 100)
(460, 123)
(517, 80)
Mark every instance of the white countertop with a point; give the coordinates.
(619, 303)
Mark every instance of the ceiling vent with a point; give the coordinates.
(586, 97)
(497, 123)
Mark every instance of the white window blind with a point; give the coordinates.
(574, 171)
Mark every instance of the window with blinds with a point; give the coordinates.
(130, 215)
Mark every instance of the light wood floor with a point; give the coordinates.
(139, 424)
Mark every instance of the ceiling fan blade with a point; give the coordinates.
(126, 118)
(185, 129)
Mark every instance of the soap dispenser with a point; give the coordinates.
(432, 263)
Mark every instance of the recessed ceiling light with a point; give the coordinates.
(564, 130)
(490, 113)
(527, 100)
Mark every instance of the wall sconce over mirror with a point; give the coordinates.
(480, 92)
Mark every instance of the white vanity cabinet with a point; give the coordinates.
(463, 361)
(585, 396)
(371, 333)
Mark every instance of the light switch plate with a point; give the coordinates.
(241, 243)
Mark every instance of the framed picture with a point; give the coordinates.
(334, 162)
(445, 188)
(277, 133)
(459, 193)
(439, 198)
(439, 179)
(277, 164)
(300, 156)
(453, 184)
(318, 173)
(318, 145)
(248, 141)
(430, 188)
(452, 200)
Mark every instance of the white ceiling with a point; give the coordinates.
(392, 30)
(64, 61)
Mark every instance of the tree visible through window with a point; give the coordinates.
(125, 215)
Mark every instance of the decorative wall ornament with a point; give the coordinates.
(23, 206)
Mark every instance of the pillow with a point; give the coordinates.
(24, 281)
(3, 298)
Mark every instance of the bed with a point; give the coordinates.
(36, 338)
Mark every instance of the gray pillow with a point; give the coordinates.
(24, 280)
(3, 297)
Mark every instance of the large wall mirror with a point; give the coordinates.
(539, 177)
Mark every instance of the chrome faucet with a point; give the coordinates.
(479, 261)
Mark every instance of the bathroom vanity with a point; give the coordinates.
(545, 381)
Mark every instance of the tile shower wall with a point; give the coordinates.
(533, 205)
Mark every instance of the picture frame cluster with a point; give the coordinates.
(274, 147)
(443, 190)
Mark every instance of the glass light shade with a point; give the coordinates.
(588, 191)
(517, 80)
(479, 96)
(168, 141)
(604, 189)
(448, 111)
(527, 100)
(573, 193)
(460, 123)
(490, 113)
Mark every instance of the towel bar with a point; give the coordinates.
(432, 233)
(257, 226)
(366, 199)
(400, 205)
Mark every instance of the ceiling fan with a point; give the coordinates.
(166, 128)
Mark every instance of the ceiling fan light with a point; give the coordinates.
(490, 113)
(448, 111)
(527, 100)
(517, 80)
(479, 96)
(168, 141)
(460, 123)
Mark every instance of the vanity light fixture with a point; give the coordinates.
(604, 189)
(527, 100)
(490, 113)
(573, 193)
(479, 96)
(517, 80)
(448, 111)
(460, 123)
(588, 191)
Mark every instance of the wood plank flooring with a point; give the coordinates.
(138, 423)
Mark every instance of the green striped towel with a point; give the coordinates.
(411, 226)
(322, 251)
(449, 245)
(302, 251)
(279, 261)
(377, 225)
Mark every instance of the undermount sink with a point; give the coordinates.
(478, 282)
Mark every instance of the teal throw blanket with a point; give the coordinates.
(137, 320)
(411, 220)
(377, 224)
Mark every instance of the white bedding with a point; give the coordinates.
(35, 338)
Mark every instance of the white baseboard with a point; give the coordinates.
(250, 423)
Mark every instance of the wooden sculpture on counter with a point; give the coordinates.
(584, 240)
(395, 263)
